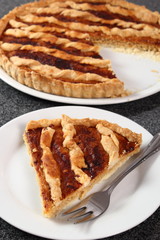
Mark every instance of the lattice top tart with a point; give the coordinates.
(71, 155)
(53, 46)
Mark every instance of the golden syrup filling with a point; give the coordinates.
(81, 20)
(101, 14)
(68, 182)
(33, 138)
(125, 146)
(96, 158)
(60, 63)
(36, 42)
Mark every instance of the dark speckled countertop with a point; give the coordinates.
(145, 112)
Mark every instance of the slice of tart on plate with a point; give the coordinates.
(53, 46)
(71, 155)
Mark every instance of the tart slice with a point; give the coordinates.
(71, 155)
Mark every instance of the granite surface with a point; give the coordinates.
(145, 112)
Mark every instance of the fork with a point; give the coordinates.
(97, 203)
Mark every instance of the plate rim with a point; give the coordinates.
(62, 107)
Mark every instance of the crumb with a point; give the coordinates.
(155, 71)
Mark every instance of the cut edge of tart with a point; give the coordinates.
(53, 46)
(71, 155)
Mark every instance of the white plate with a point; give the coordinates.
(134, 199)
(141, 75)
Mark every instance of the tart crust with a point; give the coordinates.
(50, 23)
(65, 167)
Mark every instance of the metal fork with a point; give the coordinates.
(97, 203)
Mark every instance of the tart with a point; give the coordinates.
(53, 46)
(71, 155)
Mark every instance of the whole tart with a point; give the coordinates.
(53, 46)
(71, 155)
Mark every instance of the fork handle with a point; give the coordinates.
(152, 148)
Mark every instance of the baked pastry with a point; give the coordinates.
(71, 155)
(53, 45)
